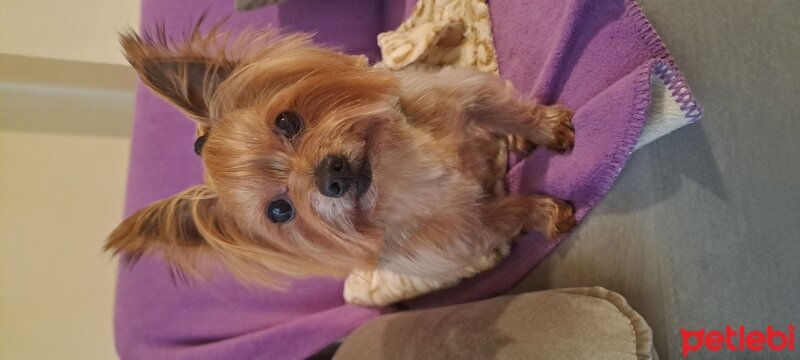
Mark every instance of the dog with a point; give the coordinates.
(317, 164)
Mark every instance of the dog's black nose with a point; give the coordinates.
(334, 176)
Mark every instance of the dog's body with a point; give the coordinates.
(317, 164)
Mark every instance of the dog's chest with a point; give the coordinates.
(483, 157)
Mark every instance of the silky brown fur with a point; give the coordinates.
(433, 140)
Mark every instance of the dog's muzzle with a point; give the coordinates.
(334, 177)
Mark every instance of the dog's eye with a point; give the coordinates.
(198, 144)
(280, 211)
(289, 124)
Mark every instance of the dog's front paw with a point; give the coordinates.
(563, 219)
(558, 120)
(551, 217)
(553, 127)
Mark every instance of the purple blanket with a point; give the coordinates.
(596, 56)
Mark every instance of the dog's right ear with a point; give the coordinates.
(172, 226)
(185, 73)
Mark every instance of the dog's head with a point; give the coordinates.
(296, 141)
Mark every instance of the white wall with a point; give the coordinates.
(84, 30)
(66, 105)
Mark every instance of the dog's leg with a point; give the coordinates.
(470, 97)
(549, 216)
(503, 220)
(503, 110)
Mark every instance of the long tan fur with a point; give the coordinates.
(432, 141)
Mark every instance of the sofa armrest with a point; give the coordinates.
(577, 323)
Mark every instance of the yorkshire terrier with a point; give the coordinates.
(318, 164)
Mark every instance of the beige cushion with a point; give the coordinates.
(577, 323)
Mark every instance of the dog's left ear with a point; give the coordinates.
(187, 74)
